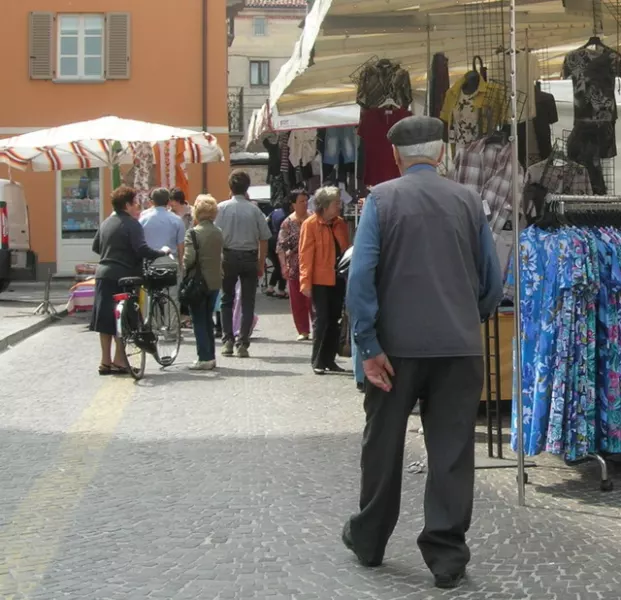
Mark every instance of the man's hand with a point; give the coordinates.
(306, 292)
(260, 269)
(165, 250)
(379, 371)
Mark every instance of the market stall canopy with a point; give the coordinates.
(103, 142)
(339, 36)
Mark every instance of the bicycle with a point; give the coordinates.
(159, 332)
(267, 273)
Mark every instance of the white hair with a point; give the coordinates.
(429, 150)
(325, 196)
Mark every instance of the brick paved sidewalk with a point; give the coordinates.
(235, 484)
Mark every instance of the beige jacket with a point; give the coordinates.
(209, 239)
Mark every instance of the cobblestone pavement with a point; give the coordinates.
(235, 484)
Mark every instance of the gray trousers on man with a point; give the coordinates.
(450, 392)
(243, 266)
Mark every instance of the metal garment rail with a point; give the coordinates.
(521, 476)
(599, 203)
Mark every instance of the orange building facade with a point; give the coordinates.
(67, 61)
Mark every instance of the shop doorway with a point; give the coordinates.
(79, 214)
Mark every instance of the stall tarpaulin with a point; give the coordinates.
(90, 144)
(336, 116)
(335, 42)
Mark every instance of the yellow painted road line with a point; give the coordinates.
(29, 542)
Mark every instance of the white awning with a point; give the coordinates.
(338, 38)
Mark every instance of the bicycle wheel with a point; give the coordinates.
(268, 270)
(132, 325)
(165, 323)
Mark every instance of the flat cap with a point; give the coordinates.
(415, 130)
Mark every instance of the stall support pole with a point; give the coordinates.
(516, 267)
(529, 86)
(427, 95)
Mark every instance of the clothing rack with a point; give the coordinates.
(562, 205)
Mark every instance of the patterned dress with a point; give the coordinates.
(570, 302)
(289, 242)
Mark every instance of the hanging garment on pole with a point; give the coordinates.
(171, 167)
(466, 120)
(593, 71)
(547, 115)
(143, 166)
(379, 164)
(382, 81)
(302, 146)
(489, 98)
(439, 83)
(486, 167)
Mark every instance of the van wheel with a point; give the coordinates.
(4, 285)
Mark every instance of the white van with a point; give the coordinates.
(14, 231)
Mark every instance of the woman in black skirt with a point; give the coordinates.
(121, 245)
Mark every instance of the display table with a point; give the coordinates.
(505, 338)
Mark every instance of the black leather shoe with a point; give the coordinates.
(334, 368)
(360, 387)
(349, 544)
(450, 582)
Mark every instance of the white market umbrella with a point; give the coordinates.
(104, 142)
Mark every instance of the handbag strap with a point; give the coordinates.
(196, 248)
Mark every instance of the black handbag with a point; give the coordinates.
(193, 287)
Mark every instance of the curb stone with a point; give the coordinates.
(24, 334)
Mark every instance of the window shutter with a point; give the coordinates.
(118, 45)
(40, 49)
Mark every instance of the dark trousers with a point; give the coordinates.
(276, 278)
(242, 266)
(202, 318)
(328, 306)
(450, 392)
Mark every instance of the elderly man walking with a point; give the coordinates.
(424, 275)
(246, 234)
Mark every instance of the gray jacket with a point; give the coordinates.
(209, 239)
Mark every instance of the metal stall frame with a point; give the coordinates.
(521, 475)
(603, 202)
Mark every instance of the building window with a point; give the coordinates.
(80, 47)
(259, 72)
(260, 26)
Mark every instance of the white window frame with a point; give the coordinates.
(260, 63)
(254, 26)
(81, 47)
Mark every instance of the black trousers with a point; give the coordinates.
(276, 278)
(450, 392)
(328, 306)
(242, 266)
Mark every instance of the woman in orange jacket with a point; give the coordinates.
(323, 239)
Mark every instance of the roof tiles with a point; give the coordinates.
(276, 3)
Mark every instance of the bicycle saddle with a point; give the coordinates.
(130, 281)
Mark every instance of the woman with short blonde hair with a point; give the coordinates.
(205, 208)
(203, 251)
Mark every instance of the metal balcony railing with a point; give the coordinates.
(236, 109)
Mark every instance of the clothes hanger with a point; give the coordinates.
(389, 103)
(594, 40)
(497, 137)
